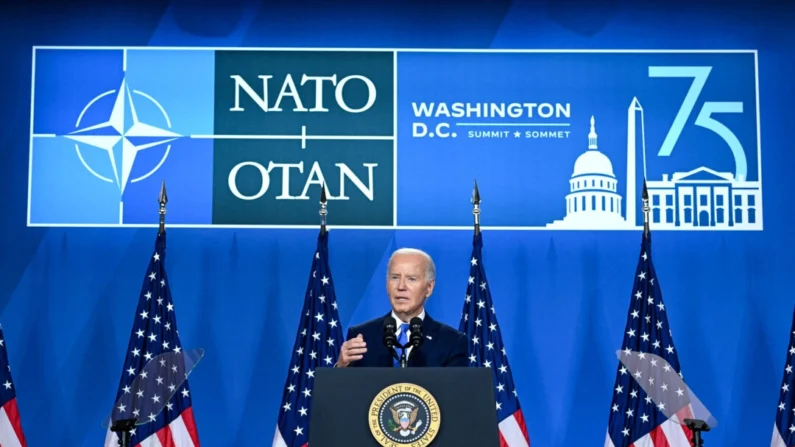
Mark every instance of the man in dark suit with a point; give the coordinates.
(411, 275)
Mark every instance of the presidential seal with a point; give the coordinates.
(404, 414)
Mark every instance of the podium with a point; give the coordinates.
(393, 407)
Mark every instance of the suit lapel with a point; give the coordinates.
(430, 328)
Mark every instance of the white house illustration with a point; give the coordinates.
(704, 198)
(593, 201)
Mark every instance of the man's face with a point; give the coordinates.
(406, 284)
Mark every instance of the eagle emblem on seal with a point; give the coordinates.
(404, 418)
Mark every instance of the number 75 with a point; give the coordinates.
(704, 118)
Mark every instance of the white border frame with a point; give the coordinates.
(395, 52)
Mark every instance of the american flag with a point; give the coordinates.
(316, 346)
(635, 418)
(10, 425)
(486, 349)
(784, 428)
(154, 332)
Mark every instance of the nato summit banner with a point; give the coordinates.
(245, 137)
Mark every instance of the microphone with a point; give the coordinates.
(391, 341)
(416, 332)
(390, 328)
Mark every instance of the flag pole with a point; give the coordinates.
(476, 207)
(162, 199)
(323, 208)
(646, 210)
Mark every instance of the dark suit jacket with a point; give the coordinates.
(445, 347)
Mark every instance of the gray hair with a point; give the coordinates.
(430, 267)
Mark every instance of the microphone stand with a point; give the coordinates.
(697, 441)
(122, 429)
(415, 340)
(402, 359)
(697, 426)
(124, 439)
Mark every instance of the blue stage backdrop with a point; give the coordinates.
(560, 111)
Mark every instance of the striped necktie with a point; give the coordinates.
(403, 338)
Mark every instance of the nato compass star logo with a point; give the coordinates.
(123, 135)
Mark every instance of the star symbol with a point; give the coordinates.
(118, 136)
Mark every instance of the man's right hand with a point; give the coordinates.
(351, 351)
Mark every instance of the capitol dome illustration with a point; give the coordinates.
(593, 200)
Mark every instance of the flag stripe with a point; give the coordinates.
(187, 424)
(164, 436)
(681, 415)
(659, 436)
(151, 441)
(675, 434)
(175, 435)
(777, 441)
(180, 434)
(111, 438)
(278, 441)
(10, 432)
(646, 441)
(519, 416)
(513, 431)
